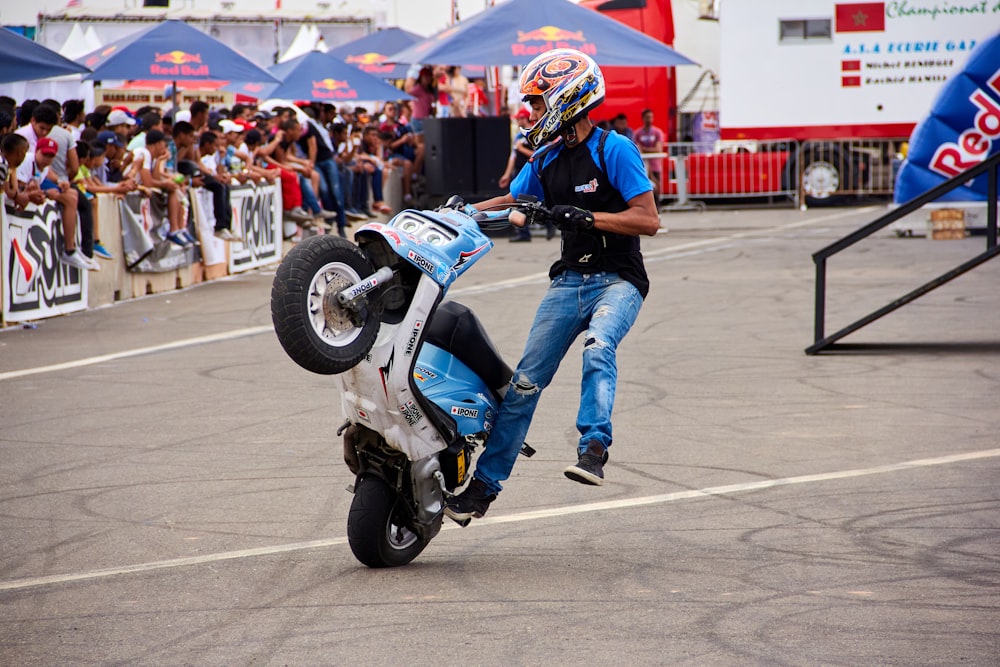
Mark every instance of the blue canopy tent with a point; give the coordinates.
(371, 52)
(172, 51)
(24, 60)
(514, 32)
(320, 77)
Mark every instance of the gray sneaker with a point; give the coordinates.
(298, 214)
(77, 259)
(589, 469)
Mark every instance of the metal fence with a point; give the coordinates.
(814, 173)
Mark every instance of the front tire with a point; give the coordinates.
(376, 527)
(315, 331)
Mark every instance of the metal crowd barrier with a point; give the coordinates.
(812, 173)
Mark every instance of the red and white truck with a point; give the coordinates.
(819, 94)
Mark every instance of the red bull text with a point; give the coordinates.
(550, 37)
(178, 63)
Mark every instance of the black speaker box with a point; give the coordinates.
(492, 150)
(449, 155)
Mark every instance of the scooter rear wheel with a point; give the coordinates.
(316, 332)
(375, 526)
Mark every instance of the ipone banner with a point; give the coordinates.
(145, 225)
(962, 130)
(35, 284)
(257, 223)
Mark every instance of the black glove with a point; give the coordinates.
(571, 218)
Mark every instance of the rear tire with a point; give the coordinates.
(376, 527)
(317, 333)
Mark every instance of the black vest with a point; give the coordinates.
(573, 178)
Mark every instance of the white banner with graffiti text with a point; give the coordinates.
(35, 284)
(257, 222)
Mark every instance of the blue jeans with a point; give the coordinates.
(605, 307)
(329, 190)
(309, 201)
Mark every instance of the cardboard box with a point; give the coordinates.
(947, 224)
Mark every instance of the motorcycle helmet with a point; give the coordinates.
(569, 82)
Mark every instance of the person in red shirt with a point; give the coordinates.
(476, 102)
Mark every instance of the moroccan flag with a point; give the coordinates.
(850, 81)
(850, 65)
(861, 17)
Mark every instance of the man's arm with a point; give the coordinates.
(72, 163)
(311, 149)
(640, 218)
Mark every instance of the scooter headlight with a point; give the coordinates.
(426, 230)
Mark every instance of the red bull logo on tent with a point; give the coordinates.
(178, 63)
(548, 37)
(371, 62)
(332, 89)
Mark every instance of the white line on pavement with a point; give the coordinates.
(185, 342)
(624, 503)
(656, 255)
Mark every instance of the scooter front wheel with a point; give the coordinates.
(376, 527)
(316, 332)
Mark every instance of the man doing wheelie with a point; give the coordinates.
(595, 184)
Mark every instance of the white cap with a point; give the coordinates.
(184, 116)
(227, 125)
(119, 117)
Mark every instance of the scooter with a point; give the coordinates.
(420, 380)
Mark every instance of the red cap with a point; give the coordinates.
(245, 124)
(47, 146)
(522, 113)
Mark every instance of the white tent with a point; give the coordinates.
(304, 42)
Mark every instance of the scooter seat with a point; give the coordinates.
(456, 328)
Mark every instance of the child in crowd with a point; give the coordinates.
(13, 150)
(86, 202)
(167, 192)
(67, 197)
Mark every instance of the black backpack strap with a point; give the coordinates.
(600, 150)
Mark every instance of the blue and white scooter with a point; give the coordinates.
(420, 380)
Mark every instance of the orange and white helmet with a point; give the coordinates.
(570, 83)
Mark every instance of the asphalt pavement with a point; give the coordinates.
(172, 491)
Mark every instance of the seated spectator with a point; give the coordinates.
(283, 152)
(85, 201)
(13, 150)
(147, 122)
(168, 192)
(7, 118)
(97, 181)
(73, 117)
(369, 156)
(92, 158)
(233, 160)
(347, 166)
(113, 168)
(120, 122)
(211, 176)
(65, 196)
(262, 163)
(400, 145)
(257, 172)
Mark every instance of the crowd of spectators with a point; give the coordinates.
(330, 163)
